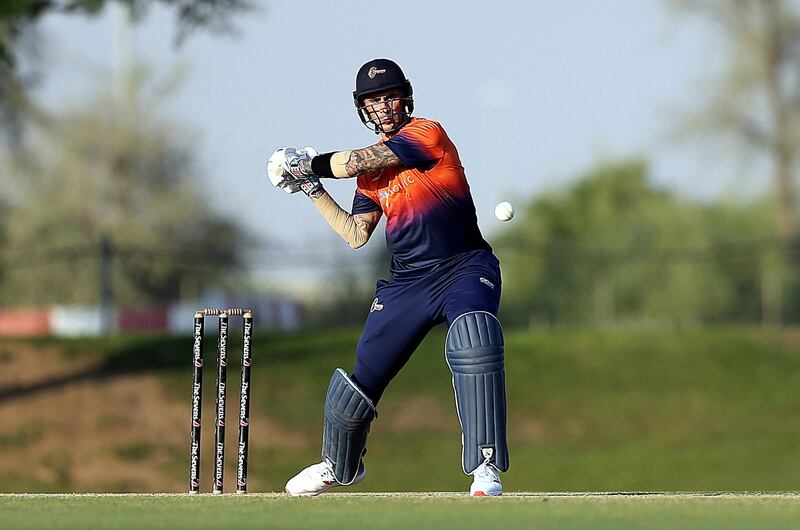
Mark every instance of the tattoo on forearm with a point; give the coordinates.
(366, 223)
(370, 159)
(362, 225)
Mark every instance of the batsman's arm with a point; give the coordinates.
(355, 229)
(347, 164)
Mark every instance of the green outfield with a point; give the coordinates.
(390, 511)
(604, 410)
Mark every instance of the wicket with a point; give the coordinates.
(222, 379)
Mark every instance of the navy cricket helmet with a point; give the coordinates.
(379, 75)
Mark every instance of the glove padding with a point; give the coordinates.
(284, 172)
(310, 185)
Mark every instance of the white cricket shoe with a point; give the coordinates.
(316, 479)
(486, 481)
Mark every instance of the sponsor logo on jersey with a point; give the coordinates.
(486, 282)
(399, 185)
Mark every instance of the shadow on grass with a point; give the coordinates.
(132, 355)
(135, 356)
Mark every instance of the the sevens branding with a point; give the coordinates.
(221, 397)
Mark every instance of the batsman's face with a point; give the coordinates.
(386, 109)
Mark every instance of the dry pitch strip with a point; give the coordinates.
(454, 495)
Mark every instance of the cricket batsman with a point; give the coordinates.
(442, 270)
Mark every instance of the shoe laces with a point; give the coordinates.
(326, 473)
(323, 470)
(487, 471)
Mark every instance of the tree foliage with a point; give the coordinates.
(131, 178)
(756, 102)
(18, 20)
(614, 247)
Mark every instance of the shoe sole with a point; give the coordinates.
(486, 493)
(309, 494)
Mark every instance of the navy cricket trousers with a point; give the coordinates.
(406, 309)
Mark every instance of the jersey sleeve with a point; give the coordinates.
(364, 204)
(419, 145)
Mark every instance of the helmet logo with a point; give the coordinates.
(375, 71)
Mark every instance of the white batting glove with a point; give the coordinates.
(283, 167)
(275, 172)
(292, 161)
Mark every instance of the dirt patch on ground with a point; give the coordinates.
(786, 340)
(101, 432)
(24, 364)
(531, 430)
(421, 413)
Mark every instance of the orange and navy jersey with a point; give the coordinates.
(430, 215)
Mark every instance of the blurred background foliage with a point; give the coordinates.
(114, 180)
(109, 184)
(19, 34)
(615, 248)
(120, 180)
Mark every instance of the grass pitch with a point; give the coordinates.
(589, 410)
(542, 511)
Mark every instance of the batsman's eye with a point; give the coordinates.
(380, 101)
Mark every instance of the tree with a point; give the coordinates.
(105, 177)
(613, 247)
(18, 20)
(756, 100)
